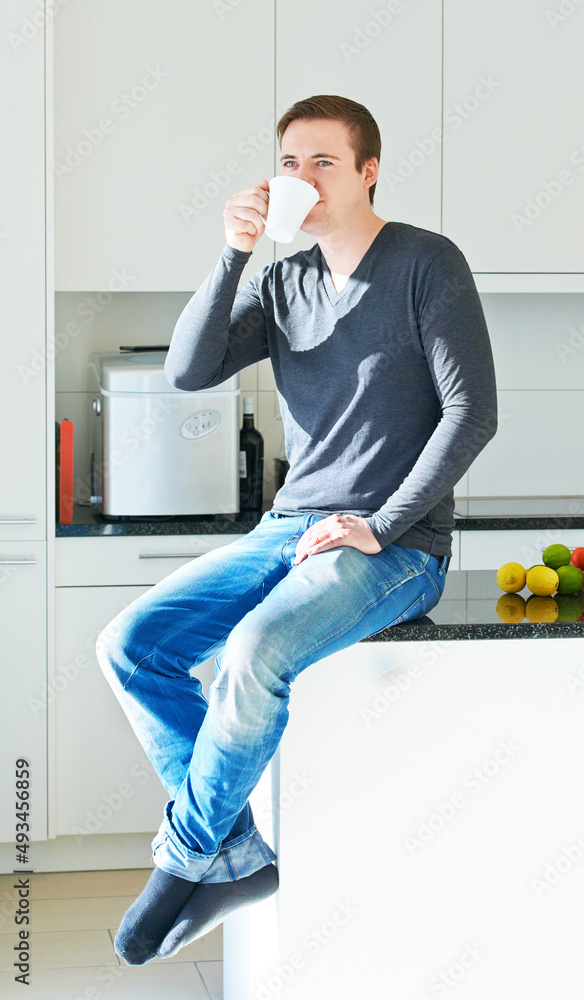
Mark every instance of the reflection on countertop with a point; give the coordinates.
(468, 610)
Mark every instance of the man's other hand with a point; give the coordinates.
(338, 529)
(245, 216)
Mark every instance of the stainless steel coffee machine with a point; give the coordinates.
(157, 450)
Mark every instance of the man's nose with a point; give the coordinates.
(306, 174)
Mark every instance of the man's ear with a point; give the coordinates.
(371, 171)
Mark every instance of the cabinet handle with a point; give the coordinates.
(169, 555)
(18, 520)
(18, 562)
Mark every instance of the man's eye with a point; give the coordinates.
(287, 163)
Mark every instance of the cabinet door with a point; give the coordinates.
(388, 59)
(128, 559)
(104, 781)
(514, 150)
(23, 705)
(22, 263)
(163, 110)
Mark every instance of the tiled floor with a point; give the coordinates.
(74, 918)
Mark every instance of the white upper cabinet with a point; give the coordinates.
(514, 137)
(388, 57)
(163, 110)
(22, 266)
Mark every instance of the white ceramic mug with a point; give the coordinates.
(290, 202)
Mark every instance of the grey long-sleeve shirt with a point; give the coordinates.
(386, 389)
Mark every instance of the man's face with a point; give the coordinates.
(318, 151)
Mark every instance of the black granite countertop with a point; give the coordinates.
(467, 610)
(518, 522)
(518, 513)
(88, 521)
(425, 630)
(468, 516)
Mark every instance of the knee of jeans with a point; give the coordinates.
(118, 646)
(249, 695)
(253, 658)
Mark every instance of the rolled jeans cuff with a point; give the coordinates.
(235, 859)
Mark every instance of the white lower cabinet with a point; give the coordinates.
(128, 559)
(104, 782)
(23, 706)
(436, 829)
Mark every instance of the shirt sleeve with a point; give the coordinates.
(455, 339)
(218, 332)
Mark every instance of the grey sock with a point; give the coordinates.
(150, 918)
(211, 902)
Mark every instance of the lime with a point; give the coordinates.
(556, 555)
(542, 580)
(541, 609)
(571, 579)
(570, 607)
(511, 577)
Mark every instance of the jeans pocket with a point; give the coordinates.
(400, 565)
(436, 574)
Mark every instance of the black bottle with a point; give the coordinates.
(251, 461)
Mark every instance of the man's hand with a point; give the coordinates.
(245, 216)
(338, 529)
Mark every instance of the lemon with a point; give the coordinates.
(571, 579)
(570, 607)
(556, 555)
(511, 577)
(542, 580)
(541, 609)
(511, 608)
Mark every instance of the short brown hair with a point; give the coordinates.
(364, 135)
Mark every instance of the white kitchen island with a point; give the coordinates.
(429, 822)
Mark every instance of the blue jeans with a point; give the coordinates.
(267, 620)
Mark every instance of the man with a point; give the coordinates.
(385, 378)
